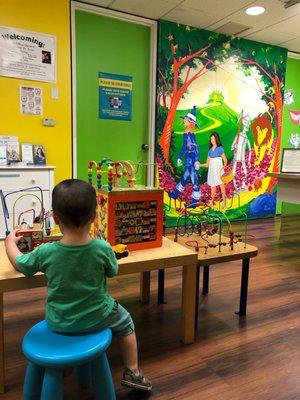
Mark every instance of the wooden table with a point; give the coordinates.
(169, 255)
(240, 252)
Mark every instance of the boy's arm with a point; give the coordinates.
(29, 263)
(111, 267)
(183, 148)
(11, 248)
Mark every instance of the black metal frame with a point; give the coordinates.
(205, 288)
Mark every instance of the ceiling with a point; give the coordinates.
(279, 25)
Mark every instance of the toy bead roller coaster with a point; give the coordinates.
(126, 213)
(34, 227)
(206, 228)
(115, 171)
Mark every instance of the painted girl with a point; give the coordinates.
(216, 161)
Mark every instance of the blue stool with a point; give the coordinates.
(48, 353)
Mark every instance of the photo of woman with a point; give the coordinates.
(216, 161)
(39, 155)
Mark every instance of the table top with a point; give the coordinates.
(170, 254)
(213, 255)
(7, 168)
(281, 175)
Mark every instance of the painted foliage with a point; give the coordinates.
(219, 121)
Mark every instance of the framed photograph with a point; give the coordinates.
(27, 153)
(39, 154)
(3, 154)
(13, 152)
(290, 162)
(12, 148)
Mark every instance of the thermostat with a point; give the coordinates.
(48, 122)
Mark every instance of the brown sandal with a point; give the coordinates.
(139, 382)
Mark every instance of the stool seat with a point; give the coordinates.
(49, 349)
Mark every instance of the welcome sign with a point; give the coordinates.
(27, 55)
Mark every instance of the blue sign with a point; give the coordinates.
(115, 96)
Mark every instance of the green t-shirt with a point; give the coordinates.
(77, 294)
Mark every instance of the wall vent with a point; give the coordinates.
(290, 3)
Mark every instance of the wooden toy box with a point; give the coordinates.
(33, 237)
(130, 216)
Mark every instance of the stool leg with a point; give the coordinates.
(33, 382)
(52, 386)
(83, 375)
(103, 384)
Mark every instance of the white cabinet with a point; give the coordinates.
(38, 182)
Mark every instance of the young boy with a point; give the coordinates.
(76, 268)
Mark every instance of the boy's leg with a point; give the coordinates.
(128, 346)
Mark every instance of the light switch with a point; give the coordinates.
(54, 93)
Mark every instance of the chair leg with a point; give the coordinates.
(83, 375)
(33, 382)
(53, 385)
(103, 384)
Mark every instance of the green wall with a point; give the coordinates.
(110, 45)
(292, 82)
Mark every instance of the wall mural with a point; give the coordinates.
(219, 120)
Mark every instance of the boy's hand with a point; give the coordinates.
(13, 238)
(179, 162)
(11, 248)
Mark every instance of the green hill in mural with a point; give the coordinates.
(216, 116)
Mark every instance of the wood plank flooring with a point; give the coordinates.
(257, 358)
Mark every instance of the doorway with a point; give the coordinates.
(109, 42)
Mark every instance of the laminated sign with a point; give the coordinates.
(27, 55)
(115, 96)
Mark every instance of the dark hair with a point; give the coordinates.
(217, 137)
(74, 202)
(37, 151)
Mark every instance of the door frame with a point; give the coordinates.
(75, 5)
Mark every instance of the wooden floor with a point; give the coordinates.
(253, 359)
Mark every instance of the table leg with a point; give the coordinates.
(197, 296)
(161, 287)
(2, 364)
(188, 304)
(205, 279)
(145, 287)
(244, 287)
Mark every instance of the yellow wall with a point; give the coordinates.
(50, 17)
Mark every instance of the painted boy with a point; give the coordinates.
(189, 155)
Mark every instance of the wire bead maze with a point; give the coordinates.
(115, 171)
(207, 224)
(40, 218)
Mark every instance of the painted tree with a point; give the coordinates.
(185, 54)
(270, 62)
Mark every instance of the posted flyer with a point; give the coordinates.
(115, 96)
(27, 55)
(31, 100)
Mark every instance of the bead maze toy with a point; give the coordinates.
(115, 171)
(206, 230)
(128, 215)
(38, 229)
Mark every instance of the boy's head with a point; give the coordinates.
(74, 202)
(189, 120)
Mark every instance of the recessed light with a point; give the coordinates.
(257, 10)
